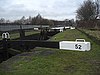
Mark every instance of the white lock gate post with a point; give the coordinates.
(78, 45)
(5, 35)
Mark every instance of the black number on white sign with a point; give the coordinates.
(78, 46)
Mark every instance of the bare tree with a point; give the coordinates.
(97, 2)
(87, 11)
(22, 20)
(2, 20)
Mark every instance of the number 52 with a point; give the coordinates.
(78, 46)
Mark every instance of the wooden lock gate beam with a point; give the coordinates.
(26, 44)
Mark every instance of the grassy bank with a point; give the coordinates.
(94, 33)
(69, 35)
(48, 61)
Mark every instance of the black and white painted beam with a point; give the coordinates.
(63, 45)
(78, 45)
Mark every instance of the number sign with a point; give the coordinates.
(74, 45)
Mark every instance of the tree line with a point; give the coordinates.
(37, 20)
(88, 15)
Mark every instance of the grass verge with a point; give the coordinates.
(49, 61)
(94, 33)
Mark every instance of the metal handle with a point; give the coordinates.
(80, 40)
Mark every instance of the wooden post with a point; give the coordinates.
(22, 33)
(5, 38)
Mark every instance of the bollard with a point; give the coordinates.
(5, 38)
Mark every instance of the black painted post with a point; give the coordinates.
(22, 33)
(5, 48)
(5, 38)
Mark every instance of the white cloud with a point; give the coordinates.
(53, 9)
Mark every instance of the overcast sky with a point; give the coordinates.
(51, 9)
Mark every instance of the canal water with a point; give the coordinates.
(16, 27)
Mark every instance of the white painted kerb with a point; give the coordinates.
(74, 45)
